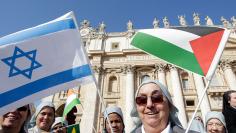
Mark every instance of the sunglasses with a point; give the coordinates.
(142, 100)
(23, 108)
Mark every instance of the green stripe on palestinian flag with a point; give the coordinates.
(71, 102)
(198, 52)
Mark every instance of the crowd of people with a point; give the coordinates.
(43, 120)
(154, 112)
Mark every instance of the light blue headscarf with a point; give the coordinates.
(173, 118)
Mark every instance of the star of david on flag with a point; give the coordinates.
(41, 61)
(15, 70)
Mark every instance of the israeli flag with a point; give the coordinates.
(40, 61)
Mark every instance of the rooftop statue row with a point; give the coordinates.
(166, 23)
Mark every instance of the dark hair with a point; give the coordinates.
(229, 93)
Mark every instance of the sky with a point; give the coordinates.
(17, 15)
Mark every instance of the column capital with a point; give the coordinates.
(226, 64)
(129, 68)
(98, 69)
(171, 67)
(160, 67)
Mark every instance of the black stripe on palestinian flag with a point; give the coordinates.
(199, 30)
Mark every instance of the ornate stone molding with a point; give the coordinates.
(129, 68)
(171, 67)
(226, 64)
(98, 69)
(160, 67)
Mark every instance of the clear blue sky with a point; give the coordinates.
(20, 14)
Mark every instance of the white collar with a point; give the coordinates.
(166, 130)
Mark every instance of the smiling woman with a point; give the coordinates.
(15, 121)
(155, 109)
(43, 118)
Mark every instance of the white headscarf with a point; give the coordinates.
(38, 109)
(173, 118)
(216, 115)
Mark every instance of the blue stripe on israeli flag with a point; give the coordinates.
(44, 83)
(38, 31)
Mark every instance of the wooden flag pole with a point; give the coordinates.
(199, 103)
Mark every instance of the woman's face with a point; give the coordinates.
(15, 118)
(45, 118)
(116, 123)
(152, 106)
(232, 100)
(215, 126)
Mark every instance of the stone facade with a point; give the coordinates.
(120, 68)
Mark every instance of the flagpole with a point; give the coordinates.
(94, 79)
(103, 104)
(199, 103)
(83, 113)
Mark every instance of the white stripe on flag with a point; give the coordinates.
(63, 65)
(178, 37)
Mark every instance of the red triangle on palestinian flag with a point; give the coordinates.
(205, 48)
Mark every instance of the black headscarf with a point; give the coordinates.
(229, 112)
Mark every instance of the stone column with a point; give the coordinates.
(229, 74)
(160, 69)
(91, 104)
(199, 84)
(178, 95)
(129, 96)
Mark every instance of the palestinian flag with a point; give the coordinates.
(197, 49)
(71, 102)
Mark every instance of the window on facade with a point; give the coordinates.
(185, 81)
(115, 46)
(113, 86)
(190, 103)
(144, 77)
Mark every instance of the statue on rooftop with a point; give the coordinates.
(85, 23)
(166, 22)
(101, 28)
(233, 20)
(129, 25)
(155, 23)
(196, 19)
(225, 22)
(209, 22)
(182, 20)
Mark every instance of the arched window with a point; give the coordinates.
(144, 77)
(185, 81)
(113, 84)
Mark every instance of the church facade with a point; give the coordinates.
(119, 69)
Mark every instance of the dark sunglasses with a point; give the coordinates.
(142, 100)
(23, 108)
